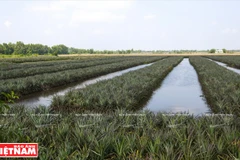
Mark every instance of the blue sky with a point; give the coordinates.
(137, 24)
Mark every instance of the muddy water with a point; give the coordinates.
(226, 66)
(45, 98)
(179, 92)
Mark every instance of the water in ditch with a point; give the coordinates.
(179, 92)
(226, 66)
(45, 98)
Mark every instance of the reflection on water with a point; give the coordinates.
(179, 92)
(45, 98)
(226, 66)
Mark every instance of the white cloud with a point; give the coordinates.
(149, 16)
(98, 32)
(60, 26)
(230, 31)
(48, 32)
(99, 5)
(100, 16)
(214, 23)
(59, 16)
(86, 11)
(163, 35)
(7, 23)
(50, 7)
(83, 5)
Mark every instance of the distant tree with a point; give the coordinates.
(49, 50)
(8, 48)
(38, 49)
(5, 48)
(20, 48)
(29, 48)
(224, 50)
(110, 52)
(59, 49)
(64, 49)
(56, 50)
(212, 51)
(1, 49)
(91, 51)
(11, 47)
(72, 50)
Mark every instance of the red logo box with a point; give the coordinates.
(19, 150)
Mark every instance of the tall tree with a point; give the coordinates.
(91, 51)
(224, 50)
(20, 48)
(8, 48)
(212, 51)
(1, 49)
(59, 49)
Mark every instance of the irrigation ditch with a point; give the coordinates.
(142, 134)
(221, 86)
(180, 91)
(45, 98)
(41, 82)
(236, 70)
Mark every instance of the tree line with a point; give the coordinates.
(21, 48)
(26, 49)
(214, 50)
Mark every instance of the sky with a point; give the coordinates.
(123, 24)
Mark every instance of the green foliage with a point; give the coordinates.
(6, 98)
(24, 70)
(232, 61)
(27, 49)
(44, 81)
(221, 86)
(32, 58)
(91, 51)
(224, 50)
(24, 49)
(112, 136)
(1, 49)
(72, 50)
(59, 49)
(38, 48)
(19, 48)
(8, 48)
(212, 51)
(128, 91)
